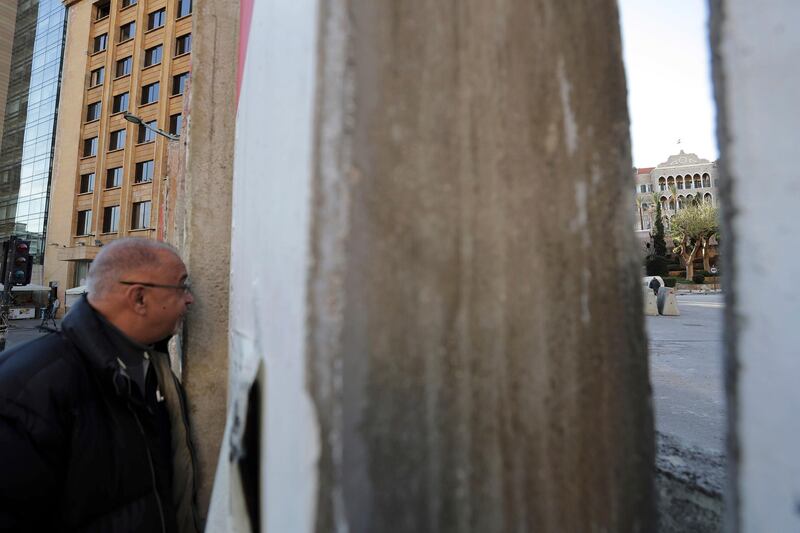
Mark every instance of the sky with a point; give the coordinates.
(667, 64)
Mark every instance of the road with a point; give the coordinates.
(685, 369)
(686, 372)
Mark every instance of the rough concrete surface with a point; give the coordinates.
(689, 483)
(480, 367)
(202, 222)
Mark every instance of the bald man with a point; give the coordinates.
(94, 435)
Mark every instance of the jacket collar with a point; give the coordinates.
(88, 333)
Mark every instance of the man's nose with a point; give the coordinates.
(189, 298)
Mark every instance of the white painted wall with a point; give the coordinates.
(270, 260)
(760, 49)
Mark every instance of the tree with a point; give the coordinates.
(639, 202)
(659, 244)
(692, 227)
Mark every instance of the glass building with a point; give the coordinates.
(26, 149)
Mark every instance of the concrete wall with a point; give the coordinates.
(410, 183)
(758, 95)
(201, 189)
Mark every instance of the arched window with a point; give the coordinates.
(681, 202)
(662, 184)
(663, 203)
(697, 183)
(706, 180)
(679, 182)
(672, 205)
(670, 181)
(707, 198)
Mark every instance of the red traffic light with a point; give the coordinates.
(22, 247)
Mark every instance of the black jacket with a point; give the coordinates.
(79, 445)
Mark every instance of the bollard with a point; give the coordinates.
(667, 303)
(650, 306)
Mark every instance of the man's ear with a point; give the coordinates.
(135, 298)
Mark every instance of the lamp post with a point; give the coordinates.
(133, 119)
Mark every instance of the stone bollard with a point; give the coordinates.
(650, 306)
(667, 304)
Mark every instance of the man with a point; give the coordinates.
(93, 428)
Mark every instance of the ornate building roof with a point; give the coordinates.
(683, 159)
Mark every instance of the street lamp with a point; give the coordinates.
(133, 119)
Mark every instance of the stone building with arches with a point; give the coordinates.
(677, 182)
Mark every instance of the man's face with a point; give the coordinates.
(167, 306)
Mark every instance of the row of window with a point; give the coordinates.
(102, 9)
(140, 218)
(127, 31)
(149, 95)
(114, 176)
(116, 139)
(152, 56)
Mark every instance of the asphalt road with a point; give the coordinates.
(686, 372)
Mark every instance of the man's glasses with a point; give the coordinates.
(185, 286)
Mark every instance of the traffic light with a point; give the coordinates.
(19, 263)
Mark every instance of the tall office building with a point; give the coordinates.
(121, 56)
(31, 48)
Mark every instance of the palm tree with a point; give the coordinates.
(639, 202)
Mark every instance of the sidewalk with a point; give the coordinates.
(25, 330)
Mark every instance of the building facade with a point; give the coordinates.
(675, 184)
(31, 50)
(110, 180)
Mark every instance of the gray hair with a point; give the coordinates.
(120, 257)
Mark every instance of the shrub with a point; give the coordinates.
(698, 278)
(670, 282)
(683, 281)
(656, 266)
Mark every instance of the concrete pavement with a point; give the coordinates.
(686, 372)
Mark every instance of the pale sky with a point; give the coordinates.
(667, 63)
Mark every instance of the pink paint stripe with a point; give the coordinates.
(245, 19)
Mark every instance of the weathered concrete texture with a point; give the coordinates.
(758, 138)
(202, 222)
(476, 364)
(689, 483)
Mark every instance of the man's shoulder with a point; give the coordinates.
(47, 363)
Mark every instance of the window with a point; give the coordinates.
(102, 9)
(140, 215)
(146, 135)
(150, 93)
(93, 111)
(127, 31)
(124, 66)
(111, 219)
(84, 226)
(152, 56)
(128, 3)
(97, 76)
(100, 43)
(175, 124)
(114, 177)
(144, 171)
(179, 83)
(183, 44)
(119, 103)
(90, 147)
(642, 188)
(87, 183)
(184, 8)
(156, 19)
(116, 140)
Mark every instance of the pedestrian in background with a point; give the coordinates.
(94, 433)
